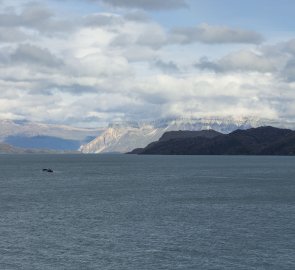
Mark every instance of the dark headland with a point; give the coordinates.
(255, 141)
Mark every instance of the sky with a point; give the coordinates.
(91, 62)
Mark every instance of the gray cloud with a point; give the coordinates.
(289, 71)
(209, 34)
(31, 15)
(48, 88)
(34, 16)
(137, 16)
(205, 64)
(83, 120)
(147, 4)
(149, 35)
(100, 20)
(31, 54)
(122, 40)
(166, 67)
(12, 35)
(238, 61)
(283, 55)
(156, 37)
(153, 98)
(288, 47)
(278, 59)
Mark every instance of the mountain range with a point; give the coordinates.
(32, 135)
(9, 149)
(117, 137)
(124, 137)
(254, 141)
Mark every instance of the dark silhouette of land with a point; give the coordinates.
(255, 141)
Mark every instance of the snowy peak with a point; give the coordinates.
(124, 137)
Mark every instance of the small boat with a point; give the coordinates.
(48, 170)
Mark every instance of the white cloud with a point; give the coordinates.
(108, 66)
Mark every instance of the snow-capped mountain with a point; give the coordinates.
(124, 137)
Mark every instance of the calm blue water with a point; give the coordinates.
(147, 212)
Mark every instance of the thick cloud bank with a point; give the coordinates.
(92, 68)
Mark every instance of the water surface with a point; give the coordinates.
(147, 212)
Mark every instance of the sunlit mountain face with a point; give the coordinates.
(125, 137)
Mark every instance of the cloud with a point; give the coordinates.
(48, 88)
(211, 95)
(288, 51)
(31, 54)
(31, 15)
(101, 67)
(147, 4)
(244, 60)
(138, 41)
(209, 34)
(289, 71)
(205, 64)
(166, 67)
(289, 46)
(12, 35)
(101, 20)
(154, 36)
(35, 16)
(277, 59)
(137, 16)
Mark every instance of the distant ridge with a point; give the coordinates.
(9, 149)
(34, 135)
(123, 137)
(43, 142)
(255, 141)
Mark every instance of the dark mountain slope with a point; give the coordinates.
(284, 146)
(188, 134)
(171, 142)
(255, 141)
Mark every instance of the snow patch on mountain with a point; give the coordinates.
(124, 137)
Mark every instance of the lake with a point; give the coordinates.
(147, 212)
